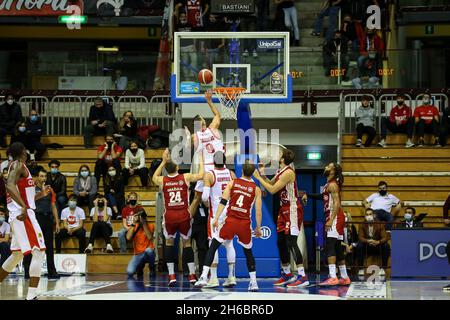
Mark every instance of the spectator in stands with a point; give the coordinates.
(85, 187)
(367, 74)
(58, 182)
(400, 121)
(5, 164)
(410, 221)
(331, 9)
(20, 134)
(371, 47)
(427, 121)
(128, 213)
(213, 47)
(331, 51)
(445, 127)
(348, 29)
(128, 129)
(195, 10)
(385, 206)
(114, 191)
(135, 164)
(30, 139)
(120, 81)
(73, 219)
(3, 189)
(372, 239)
(108, 155)
(47, 217)
(446, 211)
(5, 233)
(290, 18)
(365, 122)
(101, 121)
(350, 239)
(141, 233)
(35, 130)
(101, 228)
(10, 115)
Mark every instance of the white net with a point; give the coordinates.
(229, 99)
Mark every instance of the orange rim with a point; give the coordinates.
(230, 93)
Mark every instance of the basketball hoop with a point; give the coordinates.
(229, 100)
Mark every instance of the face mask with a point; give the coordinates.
(22, 129)
(408, 216)
(133, 150)
(54, 170)
(400, 102)
(109, 143)
(84, 174)
(183, 21)
(369, 218)
(112, 173)
(426, 101)
(101, 204)
(383, 192)
(133, 202)
(34, 118)
(10, 102)
(2, 219)
(72, 204)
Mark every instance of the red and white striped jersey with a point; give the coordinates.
(27, 191)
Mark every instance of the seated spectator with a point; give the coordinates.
(128, 213)
(372, 240)
(3, 188)
(141, 233)
(5, 233)
(101, 121)
(30, 139)
(445, 127)
(331, 53)
(73, 218)
(101, 228)
(365, 122)
(114, 191)
(291, 19)
(350, 240)
(400, 121)
(427, 121)
(331, 9)
(446, 209)
(384, 205)
(348, 29)
(135, 164)
(85, 187)
(371, 46)
(35, 130)
(409, 221)
(58, 182)
(108, 155)
(10, 115)
(367, 74)
(128, 131)
(120, 81)
(5, 164)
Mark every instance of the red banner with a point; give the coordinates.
(37, 7)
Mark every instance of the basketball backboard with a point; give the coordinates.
(256, 61)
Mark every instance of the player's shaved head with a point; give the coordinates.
(248, 169)
(171, 167)
(287, 156)
(219, 159)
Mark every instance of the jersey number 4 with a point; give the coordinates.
(240, 201)
(175, 197)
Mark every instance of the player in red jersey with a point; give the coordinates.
(335, 223)
(176, 217)
(240, 195)
(290, 219)
(27, 235)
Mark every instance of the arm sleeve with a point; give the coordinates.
(127, 159)
(383, 235)
(392, 116)
(94, 187)
(81, 214)
(371, 197)
(361, 236)
(92, 116)
(63, 186)
(205, 194)
(395, 200)
(142, 159)
(76, 186)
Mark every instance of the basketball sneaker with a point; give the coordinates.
(212, 283)
(301, 282)
(201, 283)
(253, 286)
(172, 280)
(192, 278)
(382, 143)
(230, 282)
(109, 248)
(88, 248)
(285, 279)
(446, 288)
(344, 282)
(358, 143)
(409, 144)
(329, 282)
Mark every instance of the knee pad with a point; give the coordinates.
(231, 253)
(36, 263)
(12, 261)
(250, 260)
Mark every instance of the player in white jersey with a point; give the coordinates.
(27, 235)
(215, 182)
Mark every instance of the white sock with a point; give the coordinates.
(213, 271)
(286, 269)
(31, 293)
(205, 272)
(230, 270)
(191, 266)
(343, 270)
(332, 268)
(171, 267)
(252, 276)
(301, 271)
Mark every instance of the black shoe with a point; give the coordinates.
(53, 276)
(26, 276)
(421, 143)
(152, 273)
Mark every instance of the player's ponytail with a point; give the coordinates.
(338, 175)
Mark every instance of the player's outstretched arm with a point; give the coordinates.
(223, 202)
(157, 178)
(258, 209)
(194, 177)
(215, 124)
(285, 178)
(16, 172)
(208, 180)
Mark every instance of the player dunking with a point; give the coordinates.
(176, 216)
(27, 235)
(215, 183)
(335, 222)
(241, 194)
(290, 219)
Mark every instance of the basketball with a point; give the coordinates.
(205, 76)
